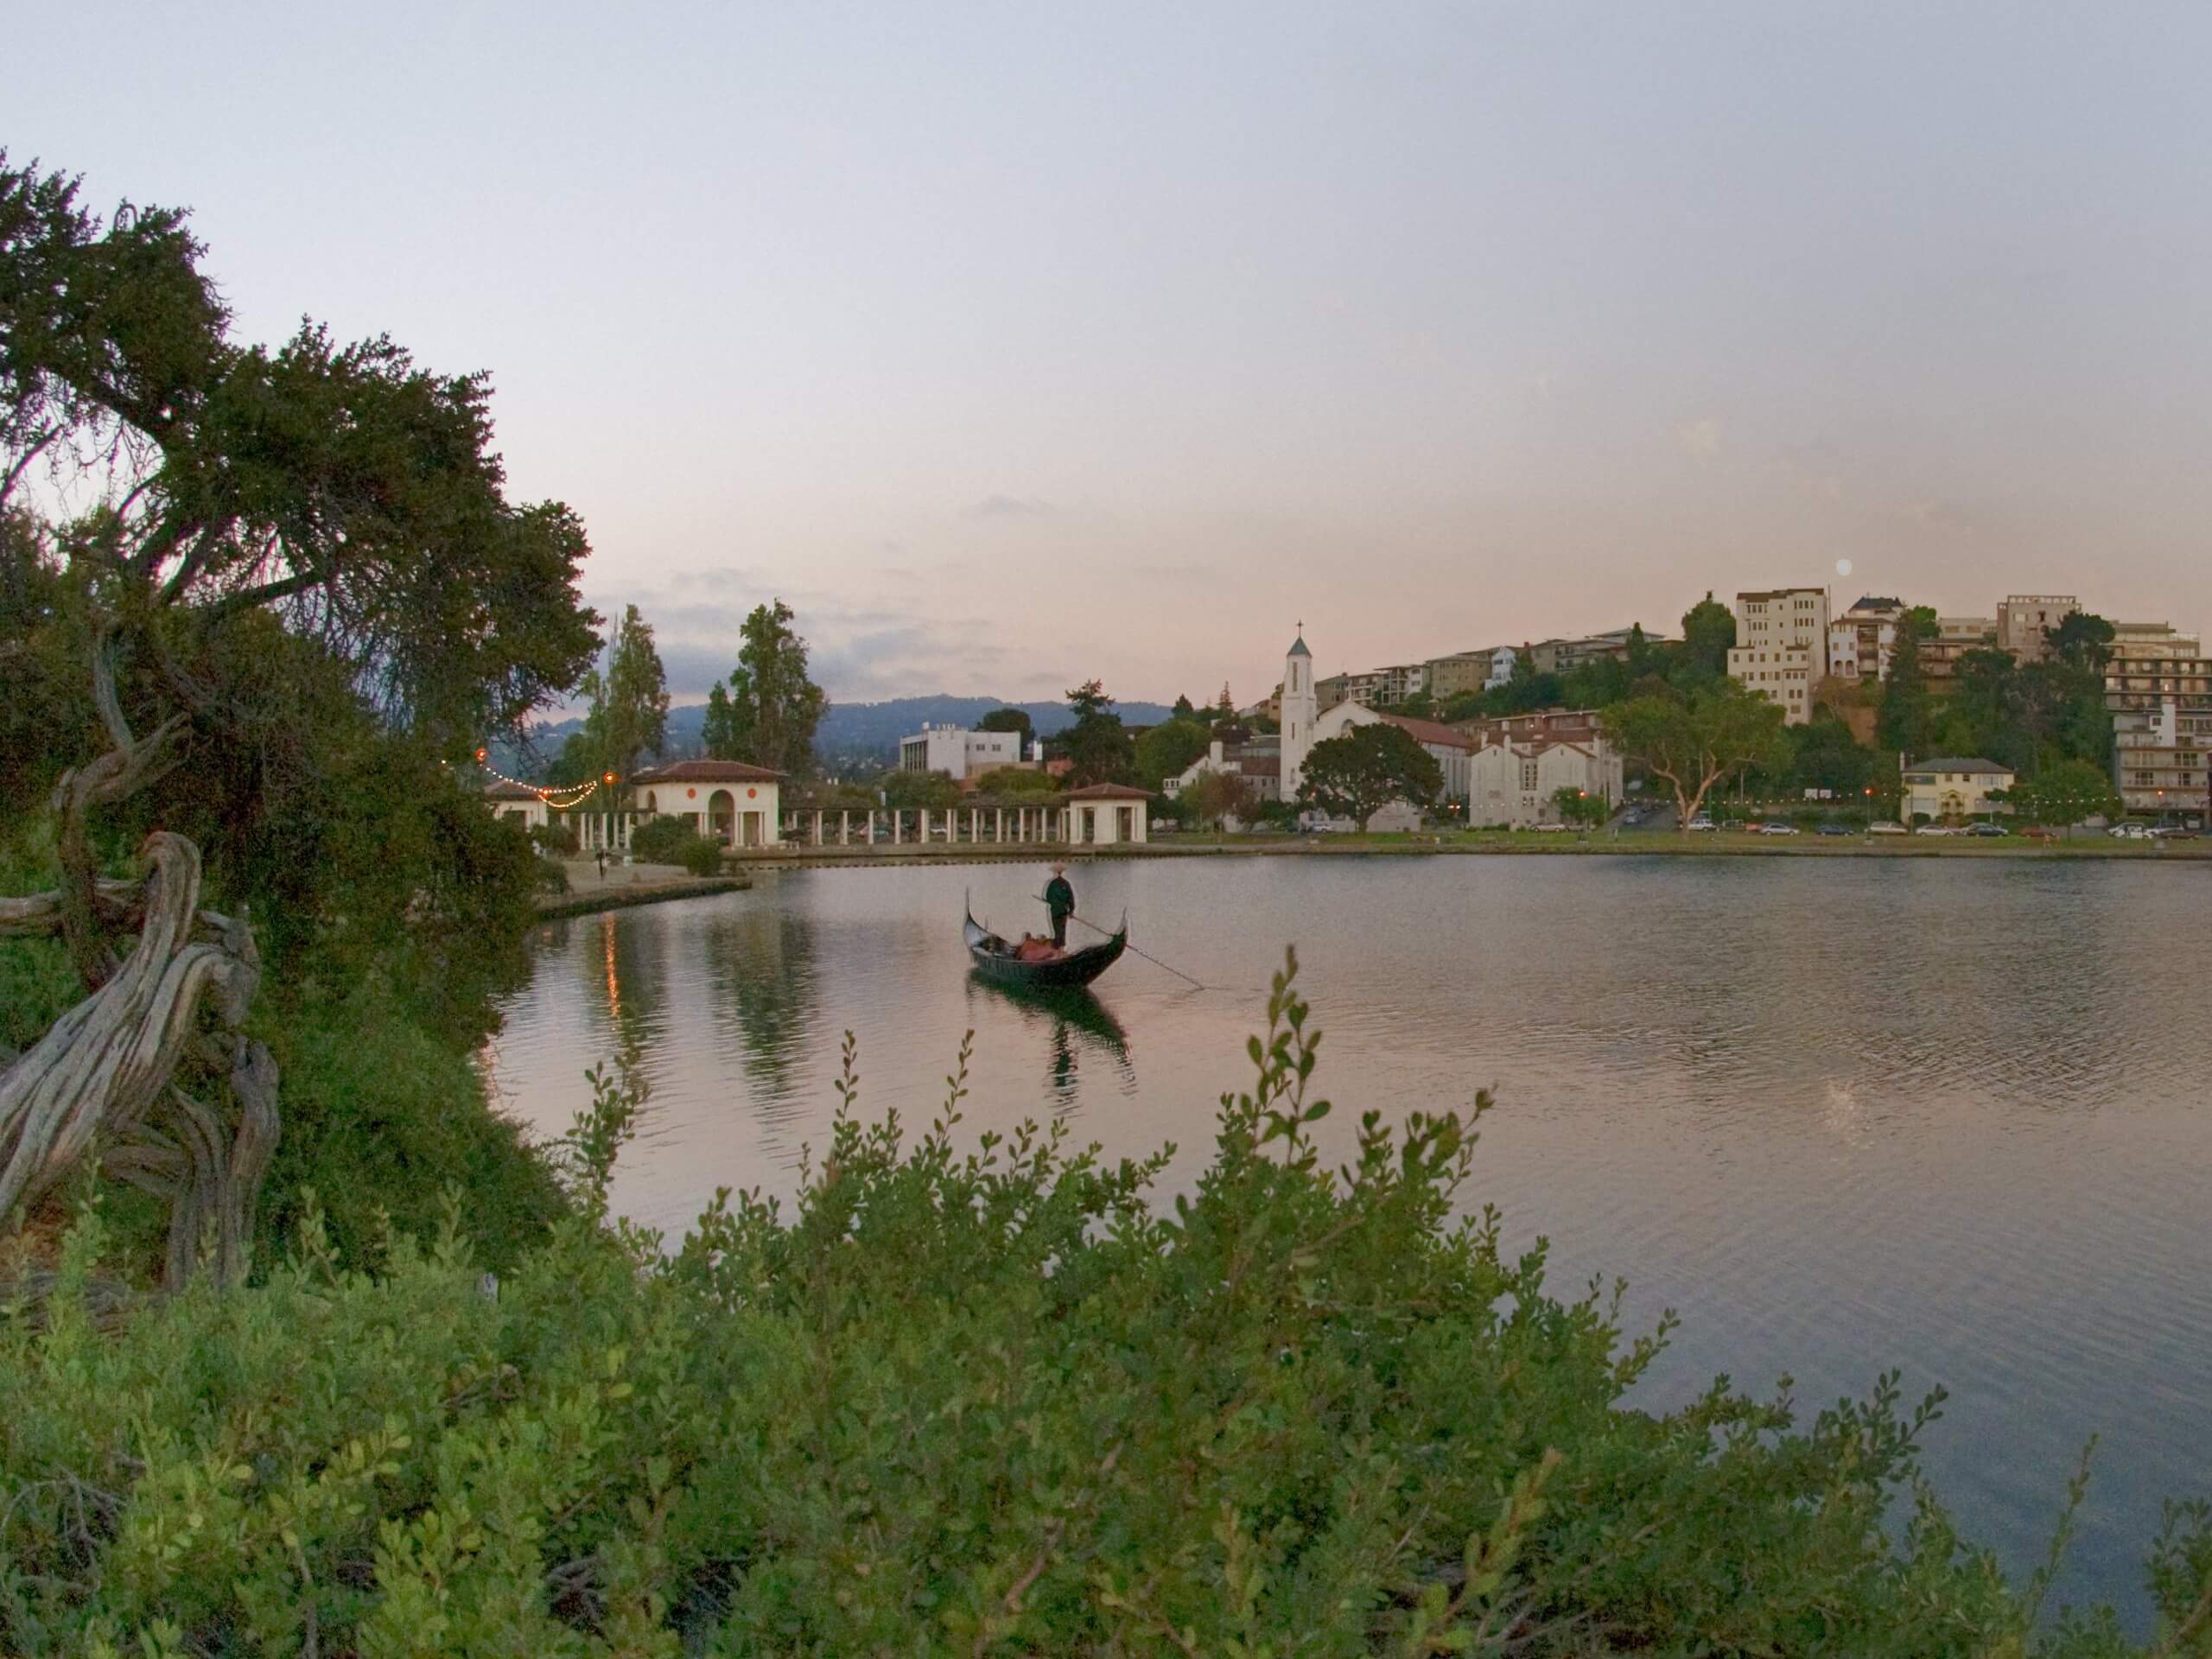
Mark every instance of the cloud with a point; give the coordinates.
(1700, 439)
(1008, 506)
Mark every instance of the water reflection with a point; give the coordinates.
(1075, 1022)
(764, 992)
(1944, 1114)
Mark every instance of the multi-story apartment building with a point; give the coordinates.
(1781, 647)
(1552, 726)
(959, 752)
(1954, 636)
(1565, 656)
(2158, 686)
(2023, 619)
(1461, 672)
(1861, 639)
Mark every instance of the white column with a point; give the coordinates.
(998, 833)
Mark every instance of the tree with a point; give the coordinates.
(1906, 717)
(773, 707)
(2081, 640)
(629, 700)
(1169, 749)
(1216, 797)
(1579, 806)
(937, 790)
(1183, 709)
(1825, 755)
(1358, 775)
(1096, 745)
(1017, 780)
(2066, 792)
(1693, 742)
(1708, 635)
(1527, 689)
(322, 515)
(1009, 719)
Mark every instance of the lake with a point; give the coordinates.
(1843, 1114)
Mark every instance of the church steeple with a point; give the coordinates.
(1301, 709)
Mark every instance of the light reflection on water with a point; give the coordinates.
(1841, 1114)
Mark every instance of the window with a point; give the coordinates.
(1529, 775)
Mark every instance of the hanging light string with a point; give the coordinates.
(576, 794)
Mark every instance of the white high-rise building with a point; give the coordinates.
(1301, 709)
(1781, 647)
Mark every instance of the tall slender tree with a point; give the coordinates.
(772, 708)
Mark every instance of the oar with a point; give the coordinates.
(1126, 945)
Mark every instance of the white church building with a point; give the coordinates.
(1301, 713)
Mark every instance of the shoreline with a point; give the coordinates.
(564, 906)
(1642, 844)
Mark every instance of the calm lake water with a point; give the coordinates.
(1843, 1115)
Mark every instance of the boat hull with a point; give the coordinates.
(994, 960)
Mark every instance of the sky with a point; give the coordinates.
(1018, 345)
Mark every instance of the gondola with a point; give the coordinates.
(994, 960)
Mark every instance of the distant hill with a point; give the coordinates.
(854, 736)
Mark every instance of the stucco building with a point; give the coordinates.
(1781, 647)
(1948, 788)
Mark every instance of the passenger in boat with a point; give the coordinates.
(1060, 902)
(1033, 949)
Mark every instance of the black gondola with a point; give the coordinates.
(994, 960)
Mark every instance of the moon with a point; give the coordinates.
(1843, 567)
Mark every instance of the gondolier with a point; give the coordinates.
(1059, 904)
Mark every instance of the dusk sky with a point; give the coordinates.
(1017, 345)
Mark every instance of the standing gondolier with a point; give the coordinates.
(1060, 902)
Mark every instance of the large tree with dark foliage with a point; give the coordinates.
(772, 707)
(1097, 746)
(216, 538)
(1358, 775)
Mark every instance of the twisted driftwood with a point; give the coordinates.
(104, 1076)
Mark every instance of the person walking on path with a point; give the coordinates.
(1060, 902)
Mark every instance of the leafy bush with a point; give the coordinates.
(553, 840)
(991, 1403)
(552, 876)
(382, 1119)
(658, 840)
(700, 856)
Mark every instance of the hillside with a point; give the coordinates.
(854, 736)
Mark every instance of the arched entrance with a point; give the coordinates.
(721, 816)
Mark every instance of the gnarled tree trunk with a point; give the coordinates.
(105, 1077)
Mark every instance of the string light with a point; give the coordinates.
(576, 794)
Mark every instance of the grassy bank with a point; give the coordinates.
(988, 1403)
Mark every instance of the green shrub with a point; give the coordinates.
(700, 856)
(657, 840)
(382, 1118)
(553, 840)
(991, 1403)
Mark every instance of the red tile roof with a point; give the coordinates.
(506, 792)
(707, 771)
(1107, 792)
(1428, 731)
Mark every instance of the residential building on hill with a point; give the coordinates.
(1565, 656)
(1861, 638)
(1465, 671)
(959, 752)
(1949, 787)
(1781, 647)
(1550, 726)
(2158, 687)
(2024, 619)
(1953, 637)
(1257, 759)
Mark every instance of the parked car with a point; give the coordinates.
(1936, 830)
(1886, 828)
(1701, 821)
(1985, 830)
(1551, 826)
(2130, 832)
(2043, 832)
(1777, 829)
(1832, 828)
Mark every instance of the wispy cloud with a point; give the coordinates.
(1008, 506)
